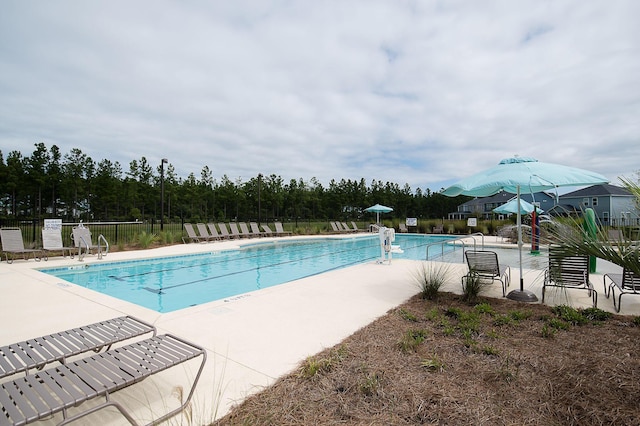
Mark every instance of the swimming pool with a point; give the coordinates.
(168, 284)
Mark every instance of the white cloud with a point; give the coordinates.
(417, 92)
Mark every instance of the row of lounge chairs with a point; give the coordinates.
(342, 227)
(211, 232)
(13, 244)
(57, 376)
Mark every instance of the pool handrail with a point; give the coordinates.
(461, 239)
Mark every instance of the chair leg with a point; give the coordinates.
(619, 302)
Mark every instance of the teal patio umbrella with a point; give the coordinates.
(377, 209)
(516, 173)
(512, 207)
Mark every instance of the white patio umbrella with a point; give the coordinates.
(377, 209)
(512, 174)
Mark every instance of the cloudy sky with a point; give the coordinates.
(418, 92)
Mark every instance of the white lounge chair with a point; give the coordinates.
(13, 244)
(52, 242)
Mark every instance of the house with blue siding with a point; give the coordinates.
(482, 208)
(613, 205)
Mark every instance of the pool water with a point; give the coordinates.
(170, 283)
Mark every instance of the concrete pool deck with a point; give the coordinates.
(251, 339)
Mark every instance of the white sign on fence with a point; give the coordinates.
(412, 221)
(472, 222)
(53, 224)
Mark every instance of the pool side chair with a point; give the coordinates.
(235, 232)
(224, 231)
(355, 227)
(192, 236)
(568, 272)
(244, 230)
(335, 227)
(36, 353)
(485, 264)
(280, 230)
(346, 228)
(255, 229)
(204, 232)
(54, 390)
(267, 231)
(214, 231)
(627, 283)
(13, 245)
(52, 243)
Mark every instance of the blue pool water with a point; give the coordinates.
(170, 283)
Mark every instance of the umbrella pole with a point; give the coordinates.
(521, 295)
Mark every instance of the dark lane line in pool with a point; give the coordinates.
(210, 278)
(217, 261)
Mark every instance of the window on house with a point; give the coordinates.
(594, 201)
(585, 201)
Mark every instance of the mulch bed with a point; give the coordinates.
(448, 362)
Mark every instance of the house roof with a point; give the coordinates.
(598, 190)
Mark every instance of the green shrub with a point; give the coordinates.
(411, 339)
(408, 315)
(145, 239)
(430, 277)
(472, 284)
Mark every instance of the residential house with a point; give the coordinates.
(482, 208)
(612, 205)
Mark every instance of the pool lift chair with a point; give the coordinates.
(387, 248)
(82, 239)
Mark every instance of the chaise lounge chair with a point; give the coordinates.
(54, 390)
(256, 230)
(235, 233)
(214, 231)
(204, 232)
(627, 283)
(568, 272)
(191, 234)
(58, 347)
(224, 232)
(485, 264)
(245, 231)
(267, 230)
(280, 230)
(13, 244)
(52, 243)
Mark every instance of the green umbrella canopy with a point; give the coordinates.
(512, 207)
(523, 173)
(377, 209)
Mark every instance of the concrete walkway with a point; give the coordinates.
(251, 339)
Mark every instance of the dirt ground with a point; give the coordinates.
(448, 362)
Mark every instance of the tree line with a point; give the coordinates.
(73, 186)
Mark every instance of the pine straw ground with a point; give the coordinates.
(447, 362)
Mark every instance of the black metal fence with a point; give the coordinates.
(114, 232)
